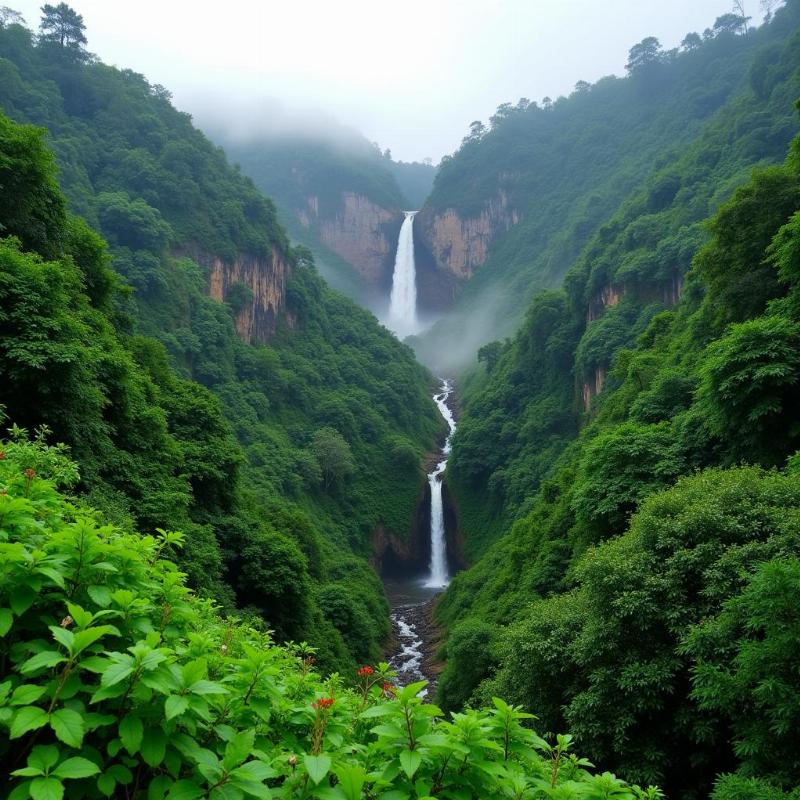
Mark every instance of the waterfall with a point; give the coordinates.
(438, 578)
(403, 300)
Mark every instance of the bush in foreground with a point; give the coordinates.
(116, 681)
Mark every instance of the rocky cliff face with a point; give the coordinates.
(461, 245)
(363, 233)
(265, 277)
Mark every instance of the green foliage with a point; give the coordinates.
(116, 679)
(750, 387)
(598, 574)
(628, 167)
(177, 423)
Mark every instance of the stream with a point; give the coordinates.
(412, 600)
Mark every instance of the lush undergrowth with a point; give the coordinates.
(277, 460)
(117, 681)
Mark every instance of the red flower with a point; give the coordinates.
(3, 455)
(389, 689)
(324, 703)
(365, 671)
(30, 474)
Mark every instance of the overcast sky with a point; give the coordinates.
(410, 75)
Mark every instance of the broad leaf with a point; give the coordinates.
(45, 659)
(6, 620)
(185, 790)
(131, 731)
(46, 789)
(238, 748)
(68, 726)
(27, 719)
(317, 767)
(410, 761)
(154, 747)
(76, 768)
(175, 705)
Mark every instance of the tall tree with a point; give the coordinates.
(63, 26)
(646, 52)
(10, 17)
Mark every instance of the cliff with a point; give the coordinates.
(360, 231)
(264, 277)
(460, 245)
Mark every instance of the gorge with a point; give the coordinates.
(229, 493)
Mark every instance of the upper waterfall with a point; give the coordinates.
(403, 300)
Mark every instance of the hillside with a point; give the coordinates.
(203, 375)
(625, 471)
(339, 196)
(514, 207)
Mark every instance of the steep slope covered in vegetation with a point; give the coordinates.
(513, 209)
(312, 432)
(642, 594)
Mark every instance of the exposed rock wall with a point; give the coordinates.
(266, 279)
(461, 245)
(363, 233)
(593, 386)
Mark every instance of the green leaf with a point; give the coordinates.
(175, 705)
(106, 784)
(27, 719)
(185, 790)
(88, 637)
(237, 749)
(116, 673)
(207, 687)
(76, 768)
(158, 787)
(21, 599)
(45, 659)
(43, 757)
(63, 636)
(6, 620)
(47, 789)
(317, 766)
(410, 761)
(82, 618)
(409, 692)
(68, 726)
(120, 773)
(254, 771)
(26, 694)
(100, 594)
(131, 732)
(351, 780)
(153, 747)
(53, 574)
(379, 710)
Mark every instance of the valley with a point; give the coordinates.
(332, 476)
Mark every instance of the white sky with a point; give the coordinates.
(410, 75)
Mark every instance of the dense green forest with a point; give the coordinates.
(566, 166)
(626, 473)
(276, 459)
(203, 443)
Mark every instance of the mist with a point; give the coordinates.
(411, 78)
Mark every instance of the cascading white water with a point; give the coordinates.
(403, 300)
(438, 577)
